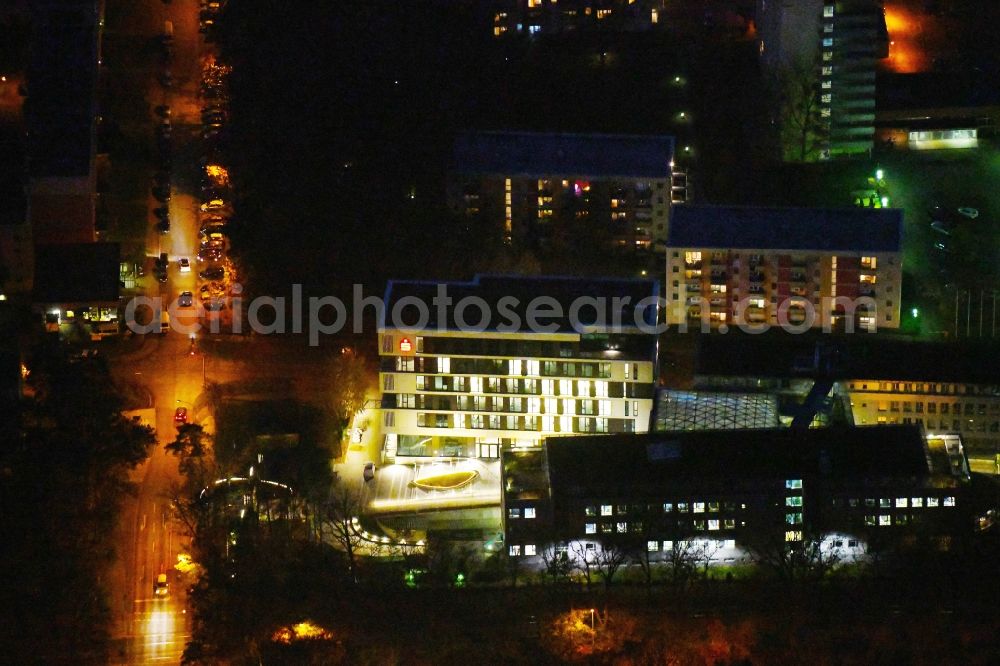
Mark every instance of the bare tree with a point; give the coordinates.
(609, 558)
(681, 561)
(792, 560)
(583, 560)
(796, 91)
(557, 563)
(704, 552)
(351, 381)
(336, 521)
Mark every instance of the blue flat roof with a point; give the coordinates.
(540, 155)
(496, 291)
(797, 229)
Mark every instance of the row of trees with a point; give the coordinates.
(64, 472)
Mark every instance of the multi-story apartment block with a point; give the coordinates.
(536, 188)
(60, 115)
(729, 492)
(533, 17)
(784, 266)
(451, 391)
(843, 40)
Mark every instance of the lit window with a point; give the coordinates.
(713, 524)
(827, 56)
(825, 98)
(949, 501)
(515, 551)
(590, 528)
(668, 507)
(828, 11)
(513, 513)
(622, 527)
(827, 70)
(884, 520)
(699, 507)
(884, 503)
(901, 503)
(605, 509)
(529, 512)
(793, 501)
(916, 502)
(932, 501)
(692, 257)
(682, 507)
(828, 41)
(652, 546)
(794, 535)
(529, 549)
(793, 484)
(793, 518)
(869, 262)
(590, 511)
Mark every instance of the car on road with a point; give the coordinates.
(368, 473)
(186, 299)
(163, 226)
(970, 213)
(161, 193)
(160, 586)
(161, 212)
(180, 416)
(162, 111)
(941, 228)
(210, 254)
(185, 265)
(213, 273)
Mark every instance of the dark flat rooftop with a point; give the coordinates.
(794, 229)
(935, 90)
(858, 356)
(524, 290)
(540, 155)
(609, 465)
(62, 78)
(77, 273)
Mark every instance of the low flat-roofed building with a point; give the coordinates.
(734, 489)
(77, 283)
(935, 111)
(454, 385)
(795, 267)
(943, 387)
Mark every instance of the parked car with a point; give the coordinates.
(214, 273)
(185, 265)
(180, 416)
(369, 471)
(161, 193)
(163, 226)
(941, 228)
(161, 212)
(970, 213)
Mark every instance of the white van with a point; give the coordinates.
(164, 321)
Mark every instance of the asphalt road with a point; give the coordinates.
(149, 629)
